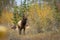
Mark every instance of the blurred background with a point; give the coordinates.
(43, 18)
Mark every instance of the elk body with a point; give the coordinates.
(21, 25)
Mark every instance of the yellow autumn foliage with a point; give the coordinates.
(6, 16)
(42, 12)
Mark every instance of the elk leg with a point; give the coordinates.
(24, 30)
(20, 29)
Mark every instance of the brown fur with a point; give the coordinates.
(23, 24)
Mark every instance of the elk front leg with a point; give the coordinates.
(24, 30)
(20, 29)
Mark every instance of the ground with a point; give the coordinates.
(39, 36)
(13, 35)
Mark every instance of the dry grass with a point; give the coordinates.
(13, 35)
(40, 36)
